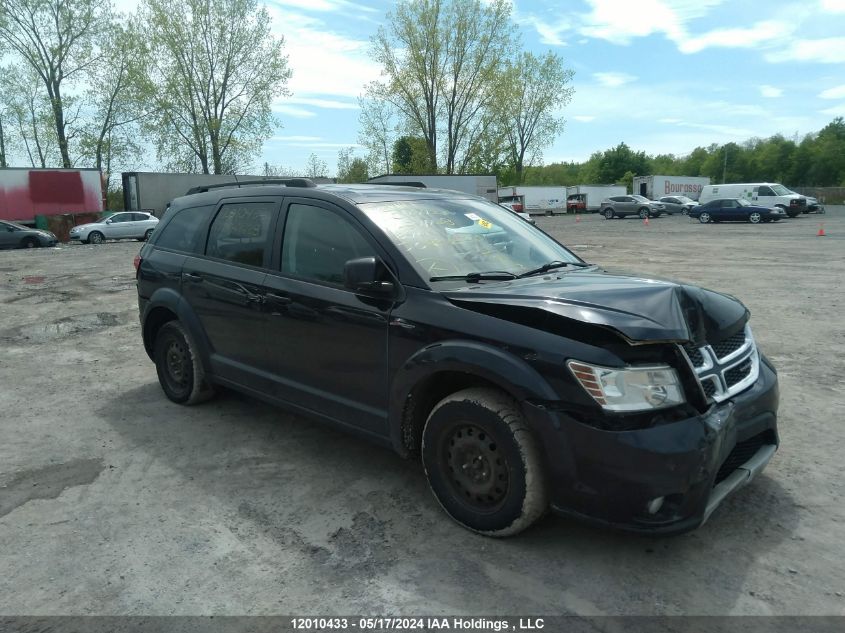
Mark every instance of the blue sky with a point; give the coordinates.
(660, 75)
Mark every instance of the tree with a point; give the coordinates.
(56, 39)
(213, 70)
(441, 60)
(534, 90)
(351, 168)
(3, 162)
(377, 132)
(29, 110)
(316, 167)
(410, 155)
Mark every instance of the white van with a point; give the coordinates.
(764, 194)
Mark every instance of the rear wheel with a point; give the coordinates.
(754, 217)
(608, 214)
(148, 235)
(704, 218)
(180, 371)
(95, 237)
(483, 464)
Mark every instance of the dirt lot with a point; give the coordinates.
(115, 501)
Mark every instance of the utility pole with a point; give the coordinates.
(2, 145)
(725, 169)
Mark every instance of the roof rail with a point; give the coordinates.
(409, 183)
(286, 182)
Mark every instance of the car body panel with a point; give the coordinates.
(122, 225)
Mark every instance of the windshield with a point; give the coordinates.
(685, 199)
(461, 237)
(743, 202)
(639, 198)
(20, 227)
(780, 190)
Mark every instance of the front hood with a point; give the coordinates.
(641, 310)
(80, 227)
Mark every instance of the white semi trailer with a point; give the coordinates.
(587, 198)
(654, 187)
(536, 199)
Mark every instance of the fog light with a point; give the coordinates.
(654, 505)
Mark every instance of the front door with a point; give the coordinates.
(328, 345)
(8, 236)
(224, 286)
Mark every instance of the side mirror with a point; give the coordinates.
(108, 221)
(367, 275)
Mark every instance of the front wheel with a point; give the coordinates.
(180, 371)
(30, 242)
(755, 217)
(95, 237)
(704, 218)
(644, 213)
(684, 211)
(608, 214)
(483, 463)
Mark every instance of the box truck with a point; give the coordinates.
(654, 187)
(536, 199)
(26, 193)
(587, 198)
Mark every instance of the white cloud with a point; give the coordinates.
(833, 6)
(550, 31)
(323, 62)
(331, 104)
(295, 138)
(584, 118)
(761, 34)
(770, 92)
(323, 5)
(837, 110)
(613, 79)
(833, 93)
(620, 22)
(289, 110)
(828, 50)
(669, 120)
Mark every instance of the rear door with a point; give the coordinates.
(326, 345)
(224, 286)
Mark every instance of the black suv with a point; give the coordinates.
(446, 327)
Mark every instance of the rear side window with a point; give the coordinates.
(240, 232)
(186, 230)
(318, 243)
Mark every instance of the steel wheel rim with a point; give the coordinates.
(176, 363)
(475, 467)
(96, 238)
(754, 218)
(704, 218)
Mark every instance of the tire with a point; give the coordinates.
(30, 242)
(501, 489)
(608, 214)
(180, 371)
(704, 218)
(95, 237)
(754, 217)
(148, 234)
(684, 211)
(644, 213)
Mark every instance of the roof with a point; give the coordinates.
(355, 193)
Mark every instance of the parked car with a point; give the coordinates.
(735, 209)
(621, 206)
(441, 325)
(764, 194)
(13, 235)
(677, 204)
(512, 207)
(124, 225)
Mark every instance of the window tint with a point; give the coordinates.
(765, 191)
(186, 231)
(121, 217)
(318, 243)
(240, 232)
(140, 217)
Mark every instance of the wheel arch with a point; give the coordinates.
(167, 305)
(439, 370)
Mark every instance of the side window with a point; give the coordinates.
(318, 242)
(140, 217)
(240, 232)
(765, 191)
(186, 231)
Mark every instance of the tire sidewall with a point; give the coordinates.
(438, 428)
(608, 214)
(704, 218)
(644, 213)
(752, 215)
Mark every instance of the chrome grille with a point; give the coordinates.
(727, 367)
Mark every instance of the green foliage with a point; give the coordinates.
(351, 168)
(410, 156)
(316, 167)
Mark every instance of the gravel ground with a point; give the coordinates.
(115, 501)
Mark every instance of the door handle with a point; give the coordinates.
(250, 298)
(192, 276)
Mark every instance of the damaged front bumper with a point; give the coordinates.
(664, 479)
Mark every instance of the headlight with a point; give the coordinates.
(637, 388)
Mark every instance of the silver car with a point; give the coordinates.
(620, 206)
(124, 225)
(677, 204)
(14, 235)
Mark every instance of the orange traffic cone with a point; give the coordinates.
(577, 218)
(645, 220)
(821, 231)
